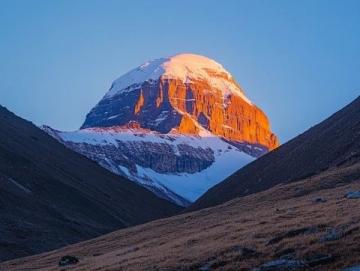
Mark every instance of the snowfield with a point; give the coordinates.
(179, 187)
(192, 186)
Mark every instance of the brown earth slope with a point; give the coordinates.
(333, 142)
(51, 196)
(308, 224)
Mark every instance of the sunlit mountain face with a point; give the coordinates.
(176, 125)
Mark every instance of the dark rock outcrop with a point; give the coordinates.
(68, 260)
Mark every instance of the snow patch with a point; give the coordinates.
(192, 186)
(184, 67)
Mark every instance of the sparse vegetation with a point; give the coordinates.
(236, 235)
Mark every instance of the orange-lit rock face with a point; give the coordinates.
(229, 117)
(188, 126)
(187, 94)
(139, 103)
(168, 105)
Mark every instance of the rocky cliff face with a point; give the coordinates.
(185, 102)
(177, 126)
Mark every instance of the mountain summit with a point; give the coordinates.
(184, 93)
(176, 125)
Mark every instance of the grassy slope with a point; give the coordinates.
(213, 235)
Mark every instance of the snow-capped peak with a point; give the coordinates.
(184, 67)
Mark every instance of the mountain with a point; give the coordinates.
(332, 143)
(184, 92)
(176, 125)
(51, 196)
(310, 223)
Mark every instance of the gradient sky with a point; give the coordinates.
(298, 60)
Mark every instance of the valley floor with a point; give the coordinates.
(309, 225)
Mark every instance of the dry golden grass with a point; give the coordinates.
(190, 241)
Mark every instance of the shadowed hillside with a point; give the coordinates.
(51, 196)
(333, 142)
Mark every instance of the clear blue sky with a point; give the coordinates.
(298, 60)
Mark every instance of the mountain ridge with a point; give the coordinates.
(303, 156)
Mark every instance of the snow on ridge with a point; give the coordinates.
(110, 135)
(184, 67)
(151, 70)
(228, 158)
